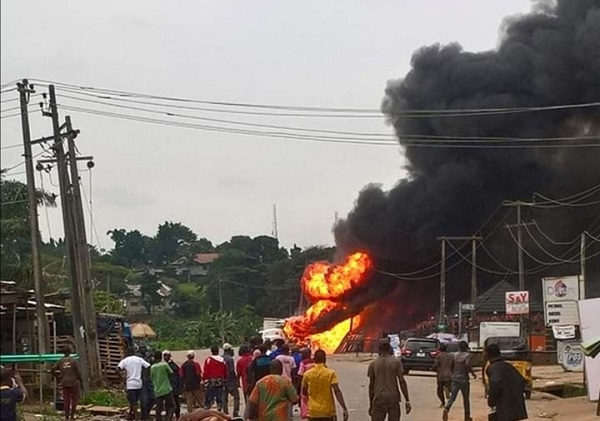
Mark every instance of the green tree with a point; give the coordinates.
(132, 248)
(105, 302)
(15, 240)
(188, 299)
(169, 239)
(149, 286)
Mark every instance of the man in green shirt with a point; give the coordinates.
(160, 373)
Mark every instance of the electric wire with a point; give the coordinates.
(427, 113)
(392, 138)
(301, 137)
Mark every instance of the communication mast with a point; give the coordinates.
(274, 231)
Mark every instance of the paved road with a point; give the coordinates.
(354, 384)
(352, 373)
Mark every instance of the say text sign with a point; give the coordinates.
(517, 302)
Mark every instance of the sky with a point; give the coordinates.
(306, 53)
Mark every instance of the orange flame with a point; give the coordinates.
(324, 284)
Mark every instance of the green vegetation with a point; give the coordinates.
(251, 278)
(105, 397)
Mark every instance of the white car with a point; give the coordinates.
(272, 334)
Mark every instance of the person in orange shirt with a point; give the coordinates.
(319, 385)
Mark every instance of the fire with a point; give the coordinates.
(325, 285)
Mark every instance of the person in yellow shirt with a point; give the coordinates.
(319, 384)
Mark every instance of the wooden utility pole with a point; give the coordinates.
(84, 263)
(518, 204)
(24, 92)
(442, 316)
(66, 199)
(582, 276)
(473, 240)
(221, 310)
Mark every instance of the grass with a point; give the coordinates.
(110, 397)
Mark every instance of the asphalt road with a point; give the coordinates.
(352, 372)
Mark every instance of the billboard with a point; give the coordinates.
(590, 328)
(564, 288)
(561, 313)
(517, 302)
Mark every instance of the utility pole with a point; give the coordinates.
(473, 240)
(518, 204)
(582, 276)
(442, 317)
(68, 222)
(84, 263)
(221, 309)
(24, 92)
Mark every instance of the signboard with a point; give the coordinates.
(517, 302)
(570, 355)
(560, 313)
(590, 329)
(493, 329)
(561, 289)
(467, 307)
(563, 332)
(395, 344)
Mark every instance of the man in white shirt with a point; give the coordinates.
(131, 368)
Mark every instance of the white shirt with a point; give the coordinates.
(289, 363)
(132, 366)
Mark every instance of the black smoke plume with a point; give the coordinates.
(545, 58)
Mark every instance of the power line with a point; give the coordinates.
(296, 136)
(428, 113)
(574, 199)
(11, 146)
(421, 138)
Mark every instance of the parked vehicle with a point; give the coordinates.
(419, 354)
(514, 350)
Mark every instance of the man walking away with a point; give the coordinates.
(443, 368)
(67, 371)
(461, 368)
(10, 394)
(319, 384)
(242, 369)
(259, 368)
(191, 378)
(131, 368)
(272, 396)
(506, 394)
(160, 372)
(215, 372)
(385, 373)
(231, 382)
(175, 382)
(289, 365)
(306, 364)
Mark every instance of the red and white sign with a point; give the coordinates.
(517, 302)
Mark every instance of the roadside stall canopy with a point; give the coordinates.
(142, 330)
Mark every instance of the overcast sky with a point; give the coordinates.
(310, 53)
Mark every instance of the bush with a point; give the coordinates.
(113, 398)
(205, 330)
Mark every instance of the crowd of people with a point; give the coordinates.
(273, 382)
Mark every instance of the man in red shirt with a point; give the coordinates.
(191, 379)
(242, 369)
(215, 373)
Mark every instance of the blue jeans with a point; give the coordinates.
(214, 393)
(465, 389)
(146, 400)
